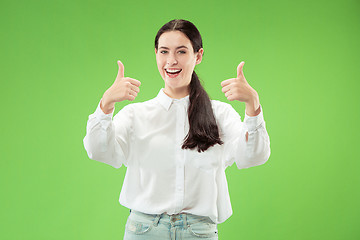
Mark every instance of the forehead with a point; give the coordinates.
(174, 39)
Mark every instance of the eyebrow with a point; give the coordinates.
(176, 48)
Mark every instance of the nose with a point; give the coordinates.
(171, 60)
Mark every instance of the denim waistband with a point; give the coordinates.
(174, 219)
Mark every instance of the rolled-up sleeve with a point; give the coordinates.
(106, 141)
(245, 151)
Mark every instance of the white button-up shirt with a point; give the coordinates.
(163, 178)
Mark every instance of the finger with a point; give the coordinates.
(227, 94)
(240, 69)
(121, 69)
(227, 82)
(134, 81)
(131, 86)
(130, 97)
(132, 93)
(231, 98)
(226, 88)
(135, 88)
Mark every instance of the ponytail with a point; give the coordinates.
(203, 131)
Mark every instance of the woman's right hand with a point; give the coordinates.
(123, 88)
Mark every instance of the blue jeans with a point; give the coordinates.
(175, 227)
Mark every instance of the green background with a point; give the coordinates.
(302, 57)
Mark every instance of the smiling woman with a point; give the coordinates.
(177, 146)
(176, 65)
(174, 58)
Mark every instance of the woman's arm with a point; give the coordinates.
(247, 142)
(254, 150)
(252, 142)
(103, 141)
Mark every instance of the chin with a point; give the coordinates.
(176, 86)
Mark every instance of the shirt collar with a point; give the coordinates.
(166, 101)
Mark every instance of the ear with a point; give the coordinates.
(155, 51)
(199, 55)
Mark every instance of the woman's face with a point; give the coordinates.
(176, 61)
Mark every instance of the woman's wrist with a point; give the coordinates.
(106, 106)
(253, 106)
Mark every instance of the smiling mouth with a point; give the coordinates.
(173, 72)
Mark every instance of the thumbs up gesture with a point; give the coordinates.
(239, 89)
(124, 88)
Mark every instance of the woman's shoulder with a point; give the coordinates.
(223, 109)
(220, 106)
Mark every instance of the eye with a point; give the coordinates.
(163, 51)
(182, 52)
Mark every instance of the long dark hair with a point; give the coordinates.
(203, 132)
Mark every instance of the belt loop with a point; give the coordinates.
(157, 219)
(185, 220)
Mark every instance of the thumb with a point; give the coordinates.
(121, 69)
(240, 69)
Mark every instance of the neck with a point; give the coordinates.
(176, 93)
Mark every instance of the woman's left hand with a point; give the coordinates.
(239, 89)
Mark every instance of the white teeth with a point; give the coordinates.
(173, 70)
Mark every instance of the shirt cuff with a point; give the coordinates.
(101, 115)
(252, 123)
(104, 119)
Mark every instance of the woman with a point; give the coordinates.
(177, 146)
